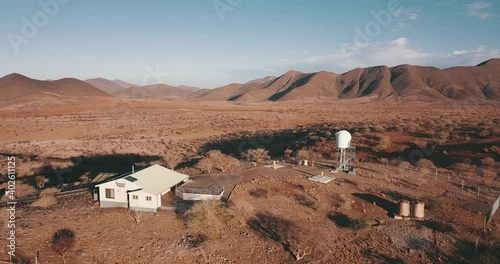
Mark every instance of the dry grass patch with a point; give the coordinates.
(47, 198)
(207, 214)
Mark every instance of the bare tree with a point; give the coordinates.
(218, 160)
(227, 163)
(62, 241)
(302, 154)
(280, 230)
(256, 155)
(205, 164)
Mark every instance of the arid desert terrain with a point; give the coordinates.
(419, 150)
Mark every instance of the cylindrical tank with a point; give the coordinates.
(418, 209)
(305, 163)
(404, 208)
(343, 139)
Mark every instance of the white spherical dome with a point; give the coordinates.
(343, 139)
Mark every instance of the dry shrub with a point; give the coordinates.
(22, 190)
(413, 127)
(359, 224)
(487, 173)
(343, 202)
(256, 155)
(425, 165)
(46, 199)
(383, 161)
(172, 158)
(258, 193)
(63, 240)
(20, 259)
(41, 181)
(432, 203)
(463, 167)
(84, 179)
(490, 162)
(207, 214)
(303, 154)
(215, 159)
(383, 143)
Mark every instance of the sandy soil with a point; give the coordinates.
(111, 134)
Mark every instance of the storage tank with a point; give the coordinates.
(343, 139)
(404, 208)
(418, 209)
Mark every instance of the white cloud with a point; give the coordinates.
(471, 57)
(478, 9)
(404, 17)
(394, 52)
(459, 52)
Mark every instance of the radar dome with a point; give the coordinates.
(343, 139)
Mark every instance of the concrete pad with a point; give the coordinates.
(322, 179)
(274, 166)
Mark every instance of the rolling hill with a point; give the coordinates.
(404, 82)
(158, 91)
(106, 85)
(19, 89)
(123, 83)
(16, 85)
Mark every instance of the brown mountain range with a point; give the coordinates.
(106, 85)
(123, 84)
(16, 88)
(406, 82)
(402, 83)
(159, 91)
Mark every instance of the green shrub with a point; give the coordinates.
(359, 224)
(432, 203)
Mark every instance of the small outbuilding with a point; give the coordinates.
(141, 190)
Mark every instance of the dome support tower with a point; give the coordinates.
(346, 152)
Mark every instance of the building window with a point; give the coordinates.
(110, 193)
(148, 198)
(135, 197)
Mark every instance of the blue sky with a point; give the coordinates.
(209, 43)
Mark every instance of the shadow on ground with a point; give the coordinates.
(389, 206)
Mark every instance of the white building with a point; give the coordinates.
(139, 191)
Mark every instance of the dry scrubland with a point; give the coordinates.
(277, 216)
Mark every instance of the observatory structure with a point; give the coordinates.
(346, 152)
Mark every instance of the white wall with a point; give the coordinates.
(120, 192)
(141, 202)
